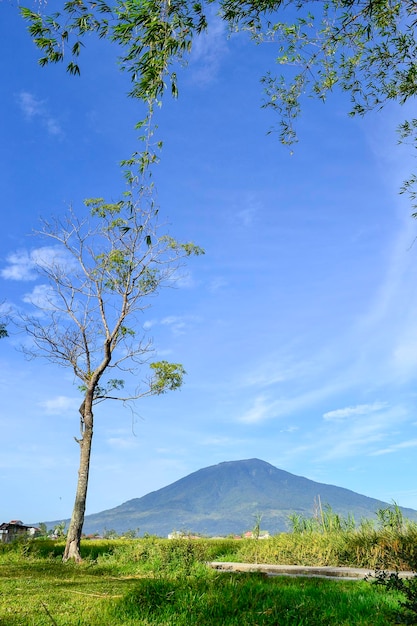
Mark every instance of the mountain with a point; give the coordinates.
(225, 498)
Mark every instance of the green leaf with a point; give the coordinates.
(166, 376)
(73, 68)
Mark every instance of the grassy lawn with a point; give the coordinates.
(42, 591)
(49, 592)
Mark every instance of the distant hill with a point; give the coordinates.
(225, 498)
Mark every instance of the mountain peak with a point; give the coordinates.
(226, 498)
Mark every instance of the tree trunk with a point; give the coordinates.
(72, 548)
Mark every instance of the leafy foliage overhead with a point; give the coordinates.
(152, 34)
(367, 48)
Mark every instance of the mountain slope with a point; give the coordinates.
(224, 499)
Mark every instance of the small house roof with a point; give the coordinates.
(14, 524)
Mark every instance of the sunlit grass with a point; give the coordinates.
(39, 591)
(160, 582)
(249, 599)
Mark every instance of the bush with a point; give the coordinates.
(407, 587)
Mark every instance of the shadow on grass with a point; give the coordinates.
(46, 569)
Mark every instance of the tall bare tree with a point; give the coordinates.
(100, 272)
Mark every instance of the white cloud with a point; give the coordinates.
(412, 443)
(208, 50)
(30, 105)
(122, 443)
(177, 324)
(260, 411)
(268, 374)
(43, 297)
(353, 411)
(35, 109)
(359, 434)
(246, 215)
(185, 281)
(289, 429)
(5, 309)
(405, 354)
(217, 283)
(60, 405)
(22, 265)
(53, 127)
(49, 256)
(387, 331)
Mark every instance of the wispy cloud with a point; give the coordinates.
(4, 308)
(123, 443)
(261, 409)
(35, 109)
(42, 297)
(30, 105)
(59, 405)
(353, 411)
(218, 441)
(185, 280)
(359, 434)
(388, 329)
(22, 265)
(273, 370)
(178, 324)
(295, 383)
(412, 443)
(208, 51)
(247, 213)
(290, 429)
(217, 283)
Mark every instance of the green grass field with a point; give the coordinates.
(166, 583)
(41, 592)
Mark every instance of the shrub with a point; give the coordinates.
(407, 587)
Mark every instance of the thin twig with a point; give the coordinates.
(48, 614)
(96, 595)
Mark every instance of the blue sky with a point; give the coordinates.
(297, 329)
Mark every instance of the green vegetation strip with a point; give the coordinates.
(46, 592)
(155, 582)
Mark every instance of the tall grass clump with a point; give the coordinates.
(25, 548)
(249, 599)
(179, 557)
(293, 549)
(329, 539)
